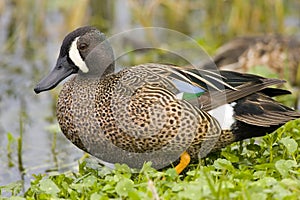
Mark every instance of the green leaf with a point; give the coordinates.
(177, 188)
(291, 183)
(284, 166)
(124, 186)
(231, 157)
(133, 195)
(255, 195)
(89, 181)
(96, 196)
(17, 198)
(253, 147)
(266, 181)
(190, 192)
(49, 187)
(107, 187)
(171, 172)
(223, 164)
(259, 174)
(122, 168)
(147, 168)
(264, 166)
(281, 192)
(290, 144)
(10, 138)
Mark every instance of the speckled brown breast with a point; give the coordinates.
(132, 117)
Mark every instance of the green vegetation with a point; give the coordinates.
(264, 169)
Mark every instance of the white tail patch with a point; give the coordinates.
(224, 115)
(76, 58)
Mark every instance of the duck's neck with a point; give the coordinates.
(98, 72)
(109, 70)
(100, 61)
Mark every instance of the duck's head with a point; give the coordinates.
(85, 51)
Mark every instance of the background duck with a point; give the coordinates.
(276, 55)
(280, 54)
(142, 114)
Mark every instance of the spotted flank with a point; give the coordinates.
(155, 112)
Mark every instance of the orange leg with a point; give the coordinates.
(184, 162)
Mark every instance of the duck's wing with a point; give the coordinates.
(261, 110)
(243, 90)
(220, 86)
(204, 79)
(250, 94)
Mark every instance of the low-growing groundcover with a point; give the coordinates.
(266, 168)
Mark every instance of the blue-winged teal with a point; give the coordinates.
(154, 112)
(280, 54)
(276, 55)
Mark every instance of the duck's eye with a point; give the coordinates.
(59, 67)
(82, 46)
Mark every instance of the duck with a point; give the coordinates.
(277, 53)
(273, 54)
(154, 112)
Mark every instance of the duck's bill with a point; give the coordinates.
(62, 70)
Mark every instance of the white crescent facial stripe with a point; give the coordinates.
(76, 58)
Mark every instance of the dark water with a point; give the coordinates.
(25, 115)
(30, 116)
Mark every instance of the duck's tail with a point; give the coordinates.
(256, 115)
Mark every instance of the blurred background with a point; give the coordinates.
(31, 32)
